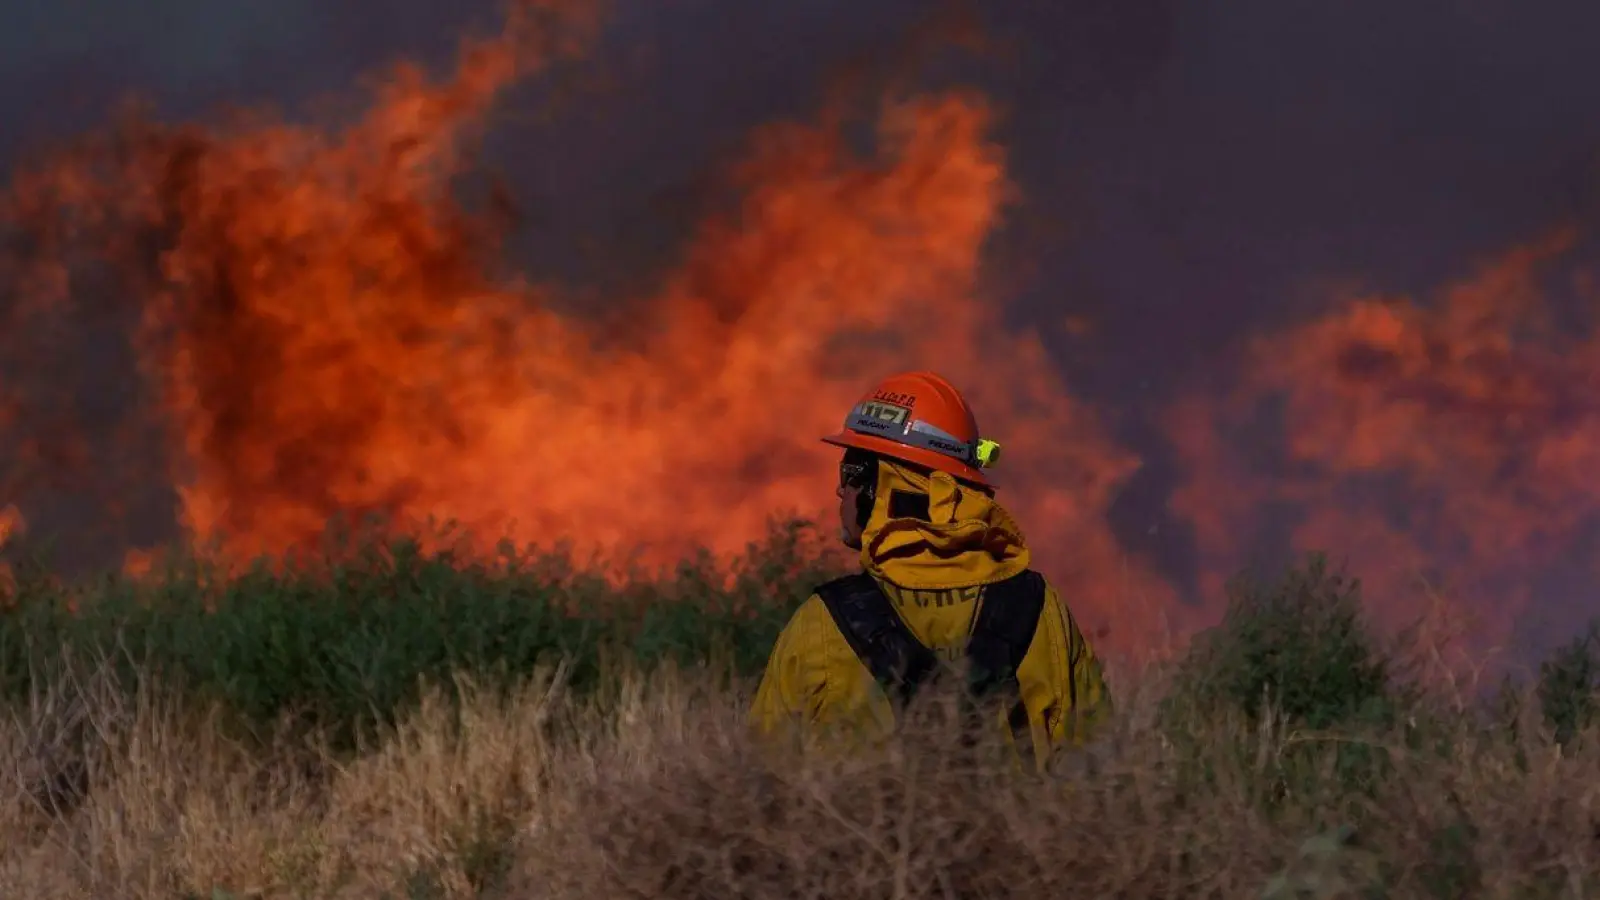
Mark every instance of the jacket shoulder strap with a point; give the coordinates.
(877, 634)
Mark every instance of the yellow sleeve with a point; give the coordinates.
(791, 688)
(814, 679)
(1062, 682)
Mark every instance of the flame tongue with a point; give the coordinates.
(325, 331)
(328, 338)
(1444, 449)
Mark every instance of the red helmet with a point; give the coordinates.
(919, 418)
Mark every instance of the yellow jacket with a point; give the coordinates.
(933, 573)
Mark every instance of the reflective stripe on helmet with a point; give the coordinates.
(894, 423)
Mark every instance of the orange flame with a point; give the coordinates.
(12, 524)
(329, 336)
(326, 326)
(1448, 447)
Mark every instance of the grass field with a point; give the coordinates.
(404, 725)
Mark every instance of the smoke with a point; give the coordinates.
(325, 323)
(288, 320)
(1444, 448)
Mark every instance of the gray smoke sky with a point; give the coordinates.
(1172, 156)
(1191, 172)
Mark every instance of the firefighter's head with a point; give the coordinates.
(920, 421)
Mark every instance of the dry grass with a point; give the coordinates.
(114, 794)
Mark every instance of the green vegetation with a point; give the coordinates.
(381, 724)
(1569, 685)
(1298, 647)
(346, 643)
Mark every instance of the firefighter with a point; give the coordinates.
(945, 586)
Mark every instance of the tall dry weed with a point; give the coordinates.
(657, 791)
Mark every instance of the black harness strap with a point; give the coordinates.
(1002, 630)
(877, 634)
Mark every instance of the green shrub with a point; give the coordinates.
(1569, 686)
(348, 642)
(1300, 647)
(1294, 664)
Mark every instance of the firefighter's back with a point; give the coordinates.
(935, 577)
